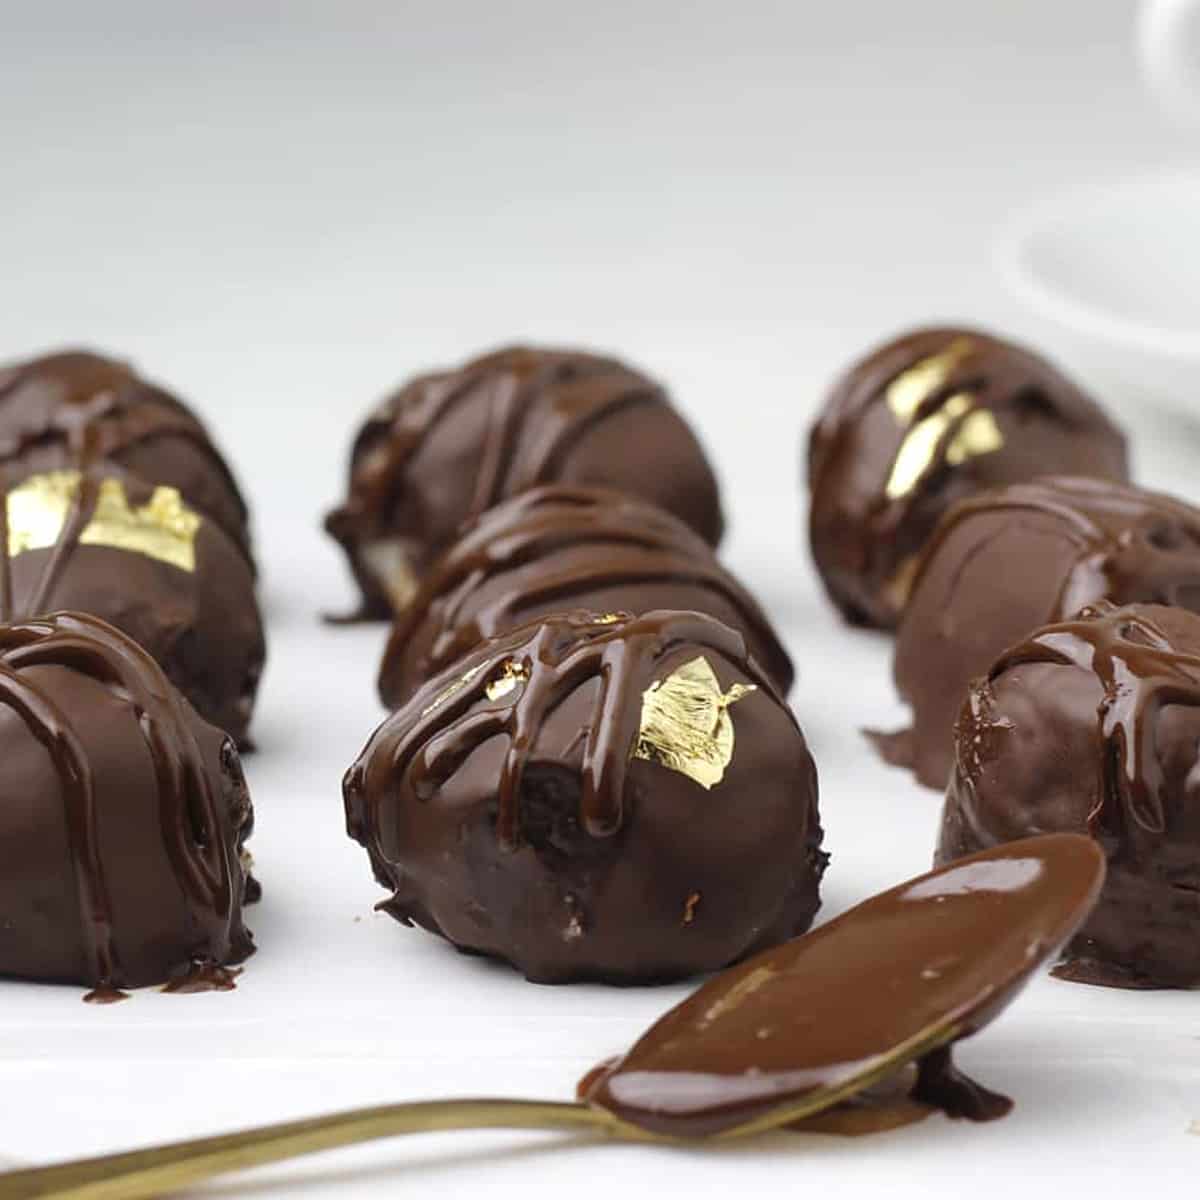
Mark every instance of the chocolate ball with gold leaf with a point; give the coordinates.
(137, 555)
(596, 796)
(923, 422)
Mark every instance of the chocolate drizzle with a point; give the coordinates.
(425, 743)
(1141, 673)
(45, 402)
(552, 549)
(921, 423)
(188, 813)
(539, 407)
(821, 1018)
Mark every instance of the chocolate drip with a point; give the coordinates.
(1141, 673)
(606, 541)
(824, 1017)
(940, 1084)
(426, 743)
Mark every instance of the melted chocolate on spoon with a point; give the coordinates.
(897, 979)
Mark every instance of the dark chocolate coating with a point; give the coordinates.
(1093, 726)
(449, 445)
(921, 423)
(123, 818)
(556, 548)
(523, 826)
(1007, 561)
(901, 977)
(134, 423)
(202, 626)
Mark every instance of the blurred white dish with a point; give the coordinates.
(1118, 264)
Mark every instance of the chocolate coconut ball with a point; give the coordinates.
(1010, 560)
(46, 402)
(922, 422)
(1092, 725)
(557, 548)
(448, 445)
(624, 799)
(123, 821)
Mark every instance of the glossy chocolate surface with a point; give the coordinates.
(596, 797)
(1008, 561)
(557, 548)
(897, 979)
(135, 424)
(449, 445)
(925, 421)
(123, 819)
(195, 612)
(1093, 726)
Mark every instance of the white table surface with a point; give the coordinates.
(283, 208)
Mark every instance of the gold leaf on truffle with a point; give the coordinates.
(686, 726)
(910, 389)
(512, 675)
(976, 433)
(163, 528)
(452, 689)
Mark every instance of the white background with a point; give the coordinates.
(281, 209)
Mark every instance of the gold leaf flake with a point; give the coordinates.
(977, 434)
(910, 389)
(686, 726)
(164, 528)
(512, 675)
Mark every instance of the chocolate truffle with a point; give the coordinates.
(123, 818)
(1010, 560)
(137, 556)
(557, 548)
(45, 403)
(447, 446)
(624, 799)
(921, 423)
(1092, 725)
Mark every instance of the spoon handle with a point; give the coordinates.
(164, 1169)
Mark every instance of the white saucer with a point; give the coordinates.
(1117, 265)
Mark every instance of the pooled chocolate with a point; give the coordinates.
(45, 401)
(920, 423)
(557, 548)
(123, 818)
(1093, 726)
(449, 445)
(136, 555)
(1007, 561)
(602, 797)
(898, 979)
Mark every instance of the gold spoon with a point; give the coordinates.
(739, 1057)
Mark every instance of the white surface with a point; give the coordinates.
(281, 211)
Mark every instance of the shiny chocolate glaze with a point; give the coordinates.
(1093, 726)
(136, 425)
(897, 979)
(447, 446)
(509, 806)
(1008, 561)
(922, 422)
(556, 548)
